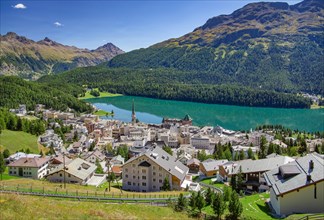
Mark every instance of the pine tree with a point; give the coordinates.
(192, 201)
(235, 207)
(166, 184)
(209, 196)
(239, 182)
(227, 193)
(233, 183)
(2, 165)
(250, 153)
(99, 167)
(6, 153)
(200, 202)
(219, 205)
(181, 204)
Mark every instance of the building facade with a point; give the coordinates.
(148, 171)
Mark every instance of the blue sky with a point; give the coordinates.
(128, 24)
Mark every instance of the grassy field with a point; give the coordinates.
(254, 207)
(102, 95)
(102, 113)
(216, 184)
(16, 140)
(29, 207)
(314, 106)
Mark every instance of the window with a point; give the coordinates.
(154, 173)
(160, 181)
(160, 168)
(153, 167)
(144, 177)
(153, 180)
(10, 172)
(126, 170)
(60, 174)
(154, 187)
(134, 184)
(160, 174)
(69, 175)
(143, 171)
(143, 184)
(134, 177)
(126, 175)
(129, 183)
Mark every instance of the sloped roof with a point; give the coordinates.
(281, 185)
(211, 164)
(187, 118)
(78, 168)
(193, 161)
(262, 165)
(29, 162)
(166, 161)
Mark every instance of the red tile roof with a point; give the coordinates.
(29, 162)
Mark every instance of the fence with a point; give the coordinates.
(313, 217)
(87, 195)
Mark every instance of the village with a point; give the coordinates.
(175, 155)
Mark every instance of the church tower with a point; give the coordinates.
(133, 113)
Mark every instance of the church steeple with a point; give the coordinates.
(133, 113)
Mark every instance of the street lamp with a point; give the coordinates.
(64, 169)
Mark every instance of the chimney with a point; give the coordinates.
(311, 164)
(309, 178)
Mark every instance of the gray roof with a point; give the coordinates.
(78, 168)
(297, 174)
(211, 164)
(166, 161)
(262, 165)
(193, 161)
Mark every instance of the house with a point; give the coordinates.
(210, 167)
(297, 187)
(93, 156)
(279, 143)
(238, 148)
(253, 171)
(117, 160)
(58, 160)
(77, 171)
(200, 142)
(184, 157)
(147, 171)
(35, 167)
(193, 165)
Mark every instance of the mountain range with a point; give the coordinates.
(260, 55)
(269, 45)
(29, 59)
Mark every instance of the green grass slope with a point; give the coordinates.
(17, 140)
(28, 207)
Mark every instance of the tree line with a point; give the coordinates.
(15, 91)
(174, 84)
(14, 123)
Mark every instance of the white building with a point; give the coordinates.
(77, 171)
(35, 167)
(147, 172)
(298, 187)
(200, 142)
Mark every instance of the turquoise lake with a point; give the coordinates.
(231, 117)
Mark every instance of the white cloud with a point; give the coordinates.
(19, 6)
(58, 24)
